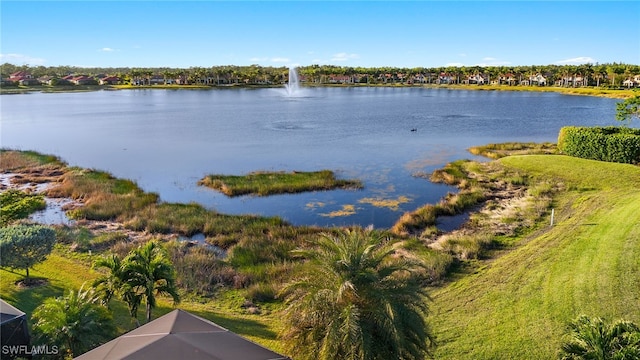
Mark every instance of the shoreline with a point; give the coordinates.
(579, 91)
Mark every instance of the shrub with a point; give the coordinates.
(612, 144)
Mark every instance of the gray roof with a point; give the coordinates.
(183, 336)
(8, 312)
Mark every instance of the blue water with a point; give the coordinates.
(166, 140)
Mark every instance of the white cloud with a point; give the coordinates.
(280, 60)
(462, 55)
(258, 59)
(488, 58)
(19, 59)
(343, 57)
(576, 61)
(107, 49)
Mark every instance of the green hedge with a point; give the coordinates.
(612, 144)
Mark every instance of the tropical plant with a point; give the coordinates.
(142, 275)
(595, 339)
(23, 246)
(360, 300)
(116, 283)
(149, 272)
(75, 322)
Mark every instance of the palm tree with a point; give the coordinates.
(117, 283)
(360, 300)
(149, 272)
(76, 322)
(593, 338)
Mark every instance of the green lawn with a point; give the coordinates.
(517, 305)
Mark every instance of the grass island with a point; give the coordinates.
(263, 183)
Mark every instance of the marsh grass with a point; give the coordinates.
(268, 183)
(496, 151)
(585, 91)
(457, 173)
(13, 160)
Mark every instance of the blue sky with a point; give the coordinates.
(346, 33)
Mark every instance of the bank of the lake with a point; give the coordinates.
(512, 302)
(583, 91)
(519, 304)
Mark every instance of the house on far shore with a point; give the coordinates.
(508, 79)
(23, 78)
(632, 82)
(445, 78)
(109, 80)
(475, 79)
(537, 80)
(83, 80)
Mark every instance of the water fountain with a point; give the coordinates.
(292, 88)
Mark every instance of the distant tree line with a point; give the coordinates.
(610, 74)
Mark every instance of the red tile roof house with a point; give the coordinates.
(109, 80)
(20, 75)
(23, 78)
(83, 80)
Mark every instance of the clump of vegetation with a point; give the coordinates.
(359, 299)
(16, 204)
(268, 183)
(611, 143)
(145, 273)
(17, 160)
(81, 239)
(104, 197)
(471, 193)
(595, 338)
(200, 269)
(75, 322)
(496, 151)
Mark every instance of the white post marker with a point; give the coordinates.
(553, 212)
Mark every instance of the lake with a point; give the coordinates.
(166, 140)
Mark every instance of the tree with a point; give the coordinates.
(144, 273)
(360, 300)
(116, 283)
(628, 109)
(149, 272)
(75, 322)
(593, 338)
(23, 246)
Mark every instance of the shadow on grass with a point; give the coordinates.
(29, 298)
(238, 325)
